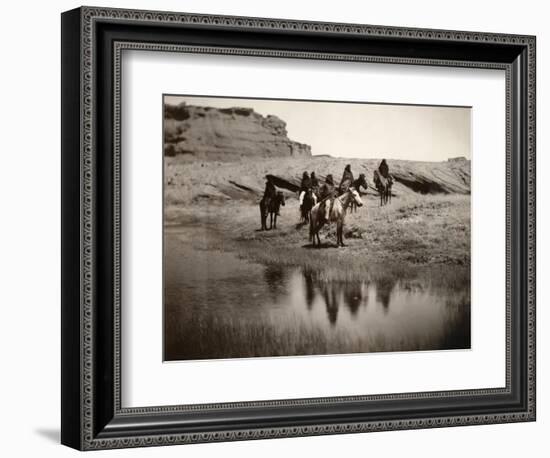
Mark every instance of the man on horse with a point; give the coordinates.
(270, 191)
(383, 182)
(327, 193)
(384, 170)
(347, 179)
(305, 186)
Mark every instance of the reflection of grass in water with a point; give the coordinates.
(213, 338)
(324, 266)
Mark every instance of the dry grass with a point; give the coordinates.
(412, 234)
(210, 337)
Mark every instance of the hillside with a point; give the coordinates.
(226, 134)
(214, 181)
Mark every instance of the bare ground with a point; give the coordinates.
(425, 232)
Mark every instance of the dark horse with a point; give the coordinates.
(310, 199)
(383, 185)
(270, 206)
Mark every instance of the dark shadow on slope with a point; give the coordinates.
(421, 185)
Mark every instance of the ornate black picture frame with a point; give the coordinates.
(92, 42)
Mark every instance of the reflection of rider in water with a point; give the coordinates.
(330, 295)
(327, 193)
(305, 185)
(384, 288)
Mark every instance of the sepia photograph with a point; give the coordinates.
(305, 227)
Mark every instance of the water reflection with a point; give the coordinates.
(217, 288)
(275, 278)
(353, 297)
(310, 292)
(384, 288)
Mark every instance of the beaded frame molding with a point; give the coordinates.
(93, 40)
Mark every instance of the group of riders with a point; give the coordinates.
(328, 191)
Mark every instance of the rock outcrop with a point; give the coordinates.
(226, 134)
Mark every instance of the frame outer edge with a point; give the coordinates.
(71, 307)
(531, 225)
(88, 16)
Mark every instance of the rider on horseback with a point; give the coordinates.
(384, 170)
(327, 193)
(305, 185)
(270, 191)
(347, 179)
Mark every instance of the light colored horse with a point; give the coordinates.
(337, 215)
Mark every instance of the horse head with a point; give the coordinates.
(355, 196)
(281, 198)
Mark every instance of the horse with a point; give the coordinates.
(270, 206)
(309, 200)
(383, 185)
(337, 215)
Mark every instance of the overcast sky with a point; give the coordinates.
(361, 130)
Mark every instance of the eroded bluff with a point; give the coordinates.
(226, 134)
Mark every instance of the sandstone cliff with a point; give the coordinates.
(226, 134)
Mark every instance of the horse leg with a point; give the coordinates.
(275, 221)
(312, 234)
(340, 233)
(262, 220)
